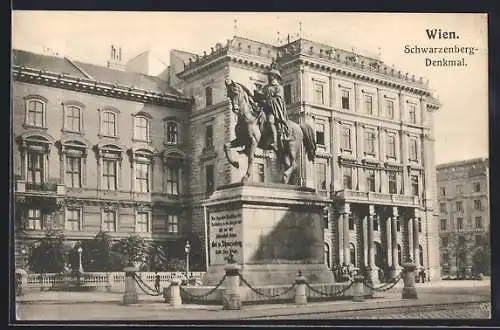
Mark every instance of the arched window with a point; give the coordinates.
(141, 128)
(108, 122)
(352, 254)
(421, 255)
(399, 255)
(327, 255)
(35, 113)
(171, 132)
(73, 121)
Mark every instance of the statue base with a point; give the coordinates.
(273, 231)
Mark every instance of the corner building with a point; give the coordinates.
(374, 130)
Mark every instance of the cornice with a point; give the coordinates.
(59, 80)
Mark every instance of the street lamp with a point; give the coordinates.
(80, 266)
(187, 249)
(23, 253)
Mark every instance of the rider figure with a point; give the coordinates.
(272, 98)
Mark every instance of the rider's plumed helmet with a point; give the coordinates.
(274, 70)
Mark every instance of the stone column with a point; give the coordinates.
(409, 290)
(388, 237)
(371, 270)
(232, 299)
(364, 252)
(409, 234)
(340, 235)
(347, 212)
(416, 254)
(300, 289)
(395, 268)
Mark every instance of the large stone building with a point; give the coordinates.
(463, 196)
(374, 130)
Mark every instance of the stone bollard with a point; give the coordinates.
(409, 290)
(111, 283)
(358, 294)
(300, 289)
(130, 295)
(175, 293)
(231, 299)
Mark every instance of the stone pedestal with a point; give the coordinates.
(130, 295)
(300, 290)
(372, 275)
(272, 230)
(409, 290)
(394, 271)
(175, 293)
(358, 289)
(232, 298)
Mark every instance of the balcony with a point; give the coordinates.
(378, 198)
(30, 188)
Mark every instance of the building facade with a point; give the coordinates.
(463, 197)
(374, 130)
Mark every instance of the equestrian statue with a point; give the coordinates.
(262, 122)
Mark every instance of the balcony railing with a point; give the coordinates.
(379, 198)
(46, 188)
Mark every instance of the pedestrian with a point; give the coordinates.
(422, 275)
(157, 282)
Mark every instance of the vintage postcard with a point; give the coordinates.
(235, 166)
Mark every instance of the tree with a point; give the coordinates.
(482, 255)
(157, 256)
(48, 255)
(131, 250)
(98, 256)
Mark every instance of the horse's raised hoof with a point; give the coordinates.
(236, 164)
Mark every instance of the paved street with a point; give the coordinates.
(447, 300)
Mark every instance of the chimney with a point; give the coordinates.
(115, 58)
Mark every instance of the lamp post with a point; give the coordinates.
(80, 266)
(187, 249)
(23, 254)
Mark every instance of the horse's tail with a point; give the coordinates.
(309, 141)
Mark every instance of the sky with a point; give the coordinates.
(461, 124)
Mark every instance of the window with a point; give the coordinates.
(142, 177)
(460, 223)
(369, 104)
(375, 223)
(318, 94)
(35, 113)
(399, 255)
(460, 189)
(108, 124)
(389, 106)
(459, 206)
(173, 223)
(412, 111)
(370, 142)
(461, 240)
(346, 137)
(172, 178)
(72, 120)
(413, 149)
(327, 255)
(73, 172)
(73, 220)
(352, 254)
(320, 134)
(109, 221)
(370, 180)
(287, 91)
(477, 187)
(444, 241)
(419, 225)
(36, 172)
(446, 257)
(34, 219)
(478, 239)
(391, 145)
(442, 208)
(398, 225)
(347, 173)
(109, 178)
(141, 128)
(393, 182)
(477, 204)
(209, 136)
(326, 222)
(443, 224)
(345, 99)
(142, 222)
(209, 178)
(443, 191)
(351, 223)
(171, 132)
(479, 222)
(321, 176)
(208, 96)
(414, 185)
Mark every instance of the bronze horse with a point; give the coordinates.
(251, 132)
